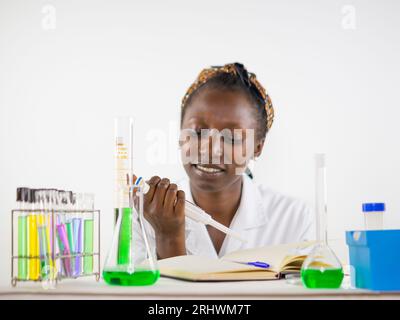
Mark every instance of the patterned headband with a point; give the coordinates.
(249, 79)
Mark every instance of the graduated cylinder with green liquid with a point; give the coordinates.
(126, 263)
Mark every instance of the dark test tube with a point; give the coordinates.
(19, 194)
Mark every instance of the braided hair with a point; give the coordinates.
(235, 77)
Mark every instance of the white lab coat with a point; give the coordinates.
(264, 217)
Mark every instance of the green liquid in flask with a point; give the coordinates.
(328, 278)
(137, 278)
(120, 274)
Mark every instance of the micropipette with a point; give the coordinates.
(197, 214)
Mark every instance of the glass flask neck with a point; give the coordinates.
(321, 200)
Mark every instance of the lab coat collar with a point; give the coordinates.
(250, 213)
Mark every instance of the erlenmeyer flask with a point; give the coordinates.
(130, 261)
(321, 269)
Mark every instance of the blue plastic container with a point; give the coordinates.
(375, 259)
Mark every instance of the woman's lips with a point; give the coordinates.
(207, 170)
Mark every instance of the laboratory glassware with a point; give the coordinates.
(22, 203)
(321, 268)
(127, 264)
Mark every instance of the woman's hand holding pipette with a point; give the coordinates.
(164, 209)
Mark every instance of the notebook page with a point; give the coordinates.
(273, 255)
(189, 264)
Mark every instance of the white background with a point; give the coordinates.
(334, 90)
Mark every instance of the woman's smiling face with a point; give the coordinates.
(215, 166)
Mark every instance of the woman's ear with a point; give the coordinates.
(259, 147)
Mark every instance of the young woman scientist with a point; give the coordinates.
(226, 97)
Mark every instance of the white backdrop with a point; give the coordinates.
(68, 67)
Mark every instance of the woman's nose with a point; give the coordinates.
(212, 146)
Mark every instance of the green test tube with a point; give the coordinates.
(23, 196)
(88, 246)
(125, 236)
(22, 247)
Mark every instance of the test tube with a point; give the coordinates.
(46, 261)
(56, 205)
(51, 206)
(22, 202)
(62, 234)
(77, 233)
(88, 233)
(68, 226)
(43, 246)
(48, 273)
(77, 227)
(41, 227)
(33, 250)
(64, 249)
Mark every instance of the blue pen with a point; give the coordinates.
(258, 264)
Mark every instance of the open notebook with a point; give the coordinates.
(283, 259)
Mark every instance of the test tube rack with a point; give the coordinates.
(55, 255)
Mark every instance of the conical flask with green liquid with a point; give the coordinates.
(130, 260)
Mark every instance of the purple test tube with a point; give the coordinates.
(64, 248)
(77, 233)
